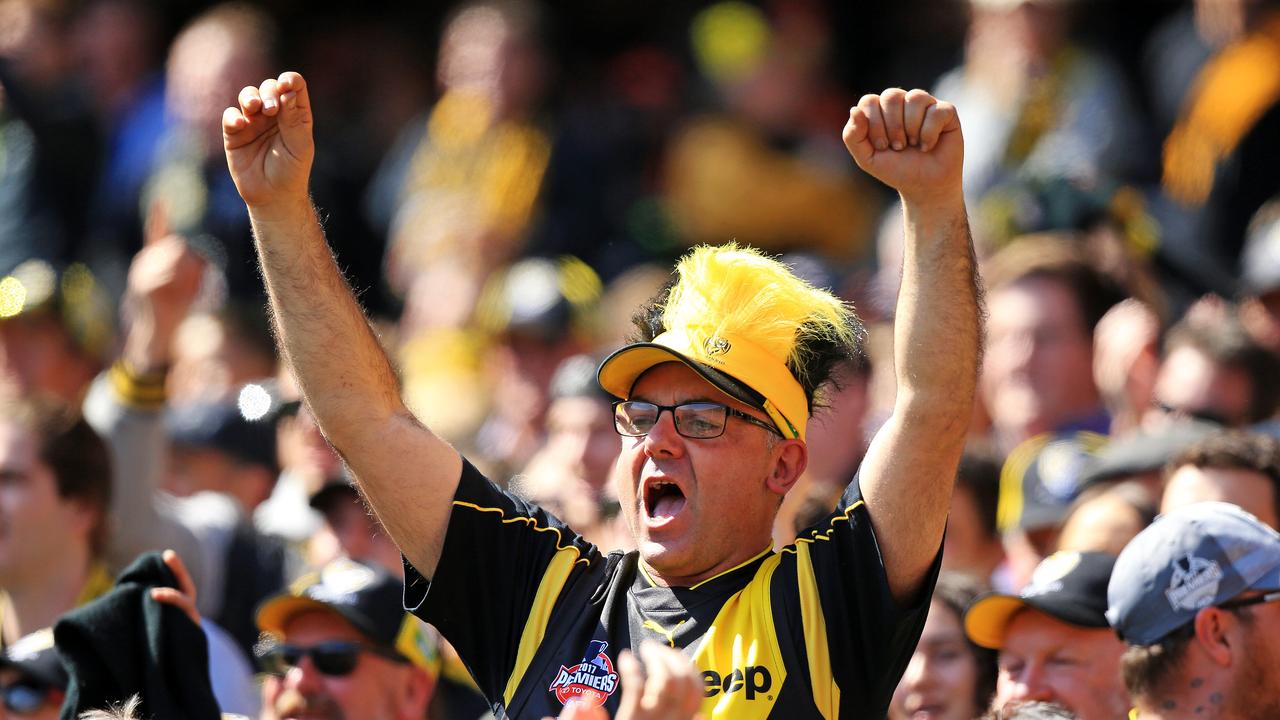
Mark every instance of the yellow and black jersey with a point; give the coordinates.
(539, 615)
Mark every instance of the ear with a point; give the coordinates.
(1216, 634)
(416, 695)
(791, 457)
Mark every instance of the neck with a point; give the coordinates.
(1190, 698)
(38, 601)
(669, 580)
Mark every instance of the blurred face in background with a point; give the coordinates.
(1038, 368)
(580, 432)
(941, 680)
(1192, 384)
(1044, 659)
(1250, 490)
(38, 528)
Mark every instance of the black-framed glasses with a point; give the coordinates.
(25, 696)
(696, 420)
(1246, 602)
(335, 658)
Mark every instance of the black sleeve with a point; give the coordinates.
(870, 637)
(503, 564)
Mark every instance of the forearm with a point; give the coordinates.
(322, 332)
(909, 470)
(937, 328)
(407, 473)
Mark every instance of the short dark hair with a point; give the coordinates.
(1226, 342)
(75, 454)
(979, 473)
(1058, 258)
(957, 591)
(1148, 668)
(1237, 450)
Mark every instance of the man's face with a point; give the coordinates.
(1038, 369)
(1190, 383)
(49, 709)
(377, 688)
(716, 510)
(1048, 660)
(37, 355)
(941, 680)
(38, 528)
(1255, 690)
(1253, 491)
(580, 433)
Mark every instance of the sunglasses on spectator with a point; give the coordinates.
(1246, 602)
(336, 658)
(696, 420)
(25, 696)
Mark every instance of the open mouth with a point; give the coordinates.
(663, 500)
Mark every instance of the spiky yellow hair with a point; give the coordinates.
(730, 290)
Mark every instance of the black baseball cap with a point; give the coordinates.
(1067, 586)
(366, 596)
(224, 428)
(35, 657)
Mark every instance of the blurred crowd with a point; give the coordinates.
(505, 182)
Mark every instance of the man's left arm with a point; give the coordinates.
(912, 142)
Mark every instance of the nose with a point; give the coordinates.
(304, 676)
(663, 440)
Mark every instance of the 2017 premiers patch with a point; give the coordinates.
(591, 681)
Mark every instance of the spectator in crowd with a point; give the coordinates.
(949, 677)
(33, 682)
(1126, 359)
(1142, 456)
(343, 645)
(52, 342)
(1038, 104)
(690, 525)
(1237, 467)
(569, 476)
(57, 488)
(1259, 287)
(349, 530)
(450, 230)
(1039, 481)
(1195, 598)
(1031, 711)
(216, 352)
(1215, 174)
(973, 544)
(1044, 301)
(215, 53)
(1213, 371)
(1053, 638)
(1106, 517)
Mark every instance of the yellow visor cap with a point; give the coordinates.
(740, 368)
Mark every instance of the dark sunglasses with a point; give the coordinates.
(336, 658)
(696, 420)
(25, 696)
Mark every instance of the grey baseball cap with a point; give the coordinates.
(1189, 559)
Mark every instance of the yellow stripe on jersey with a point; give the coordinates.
(826, 694)
(741, 663)
(535, 626)
(531, 522)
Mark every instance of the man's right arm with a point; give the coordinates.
(408, 474)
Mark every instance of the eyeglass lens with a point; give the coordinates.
(693, 420)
